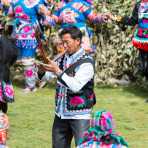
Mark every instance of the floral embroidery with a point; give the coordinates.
(140, 32)
(76, 100)
(28, 73)
(18, 10)
(68, 16)
(6, 92)
(31, 3)
(92, 96)
(81, 7)
(9, 90)
(27, 29)
(33, 35)
(24, 35)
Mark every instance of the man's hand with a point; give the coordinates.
(106, 17)
(52, 67)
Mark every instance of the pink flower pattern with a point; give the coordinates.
(76, 100)
(27, 29)
(20, 14)
(18, 10)
(24, 35)
(140, 32)
(33, 35)
(28, 73)
(9, 90)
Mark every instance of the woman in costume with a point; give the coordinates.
(25, 13)
(139, 19)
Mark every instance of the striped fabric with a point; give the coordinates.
(140, 39)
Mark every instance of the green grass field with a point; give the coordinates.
(31, 116)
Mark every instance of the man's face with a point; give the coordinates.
(70, 45)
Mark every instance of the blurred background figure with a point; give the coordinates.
(58, 50)
(139, 19)
(25, 14)
(8, 55)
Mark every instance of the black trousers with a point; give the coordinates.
(4, 107)
(143, 62)
(65, 129)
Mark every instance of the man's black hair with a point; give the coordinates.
(73, 31)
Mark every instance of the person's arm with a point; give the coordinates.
(94, 17)
(133, 20)
(84, 74)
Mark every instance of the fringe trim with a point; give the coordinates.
(140, 45)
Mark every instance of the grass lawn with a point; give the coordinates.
(31, 116)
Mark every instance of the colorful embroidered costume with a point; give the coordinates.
(140, 39)
(25, 14)
(139, 19)
(26, 20)
(79, 103)
(102, 133)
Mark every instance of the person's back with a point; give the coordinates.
(8, 56)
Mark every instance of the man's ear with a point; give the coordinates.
(78, 41)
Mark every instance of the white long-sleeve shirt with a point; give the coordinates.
(84, 73)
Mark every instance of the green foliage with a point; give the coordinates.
(115, 56)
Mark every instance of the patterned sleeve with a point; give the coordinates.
(133, 20)
(87, 9)
(89, 13)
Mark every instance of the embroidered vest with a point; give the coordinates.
(140, 39)
(81, 101)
